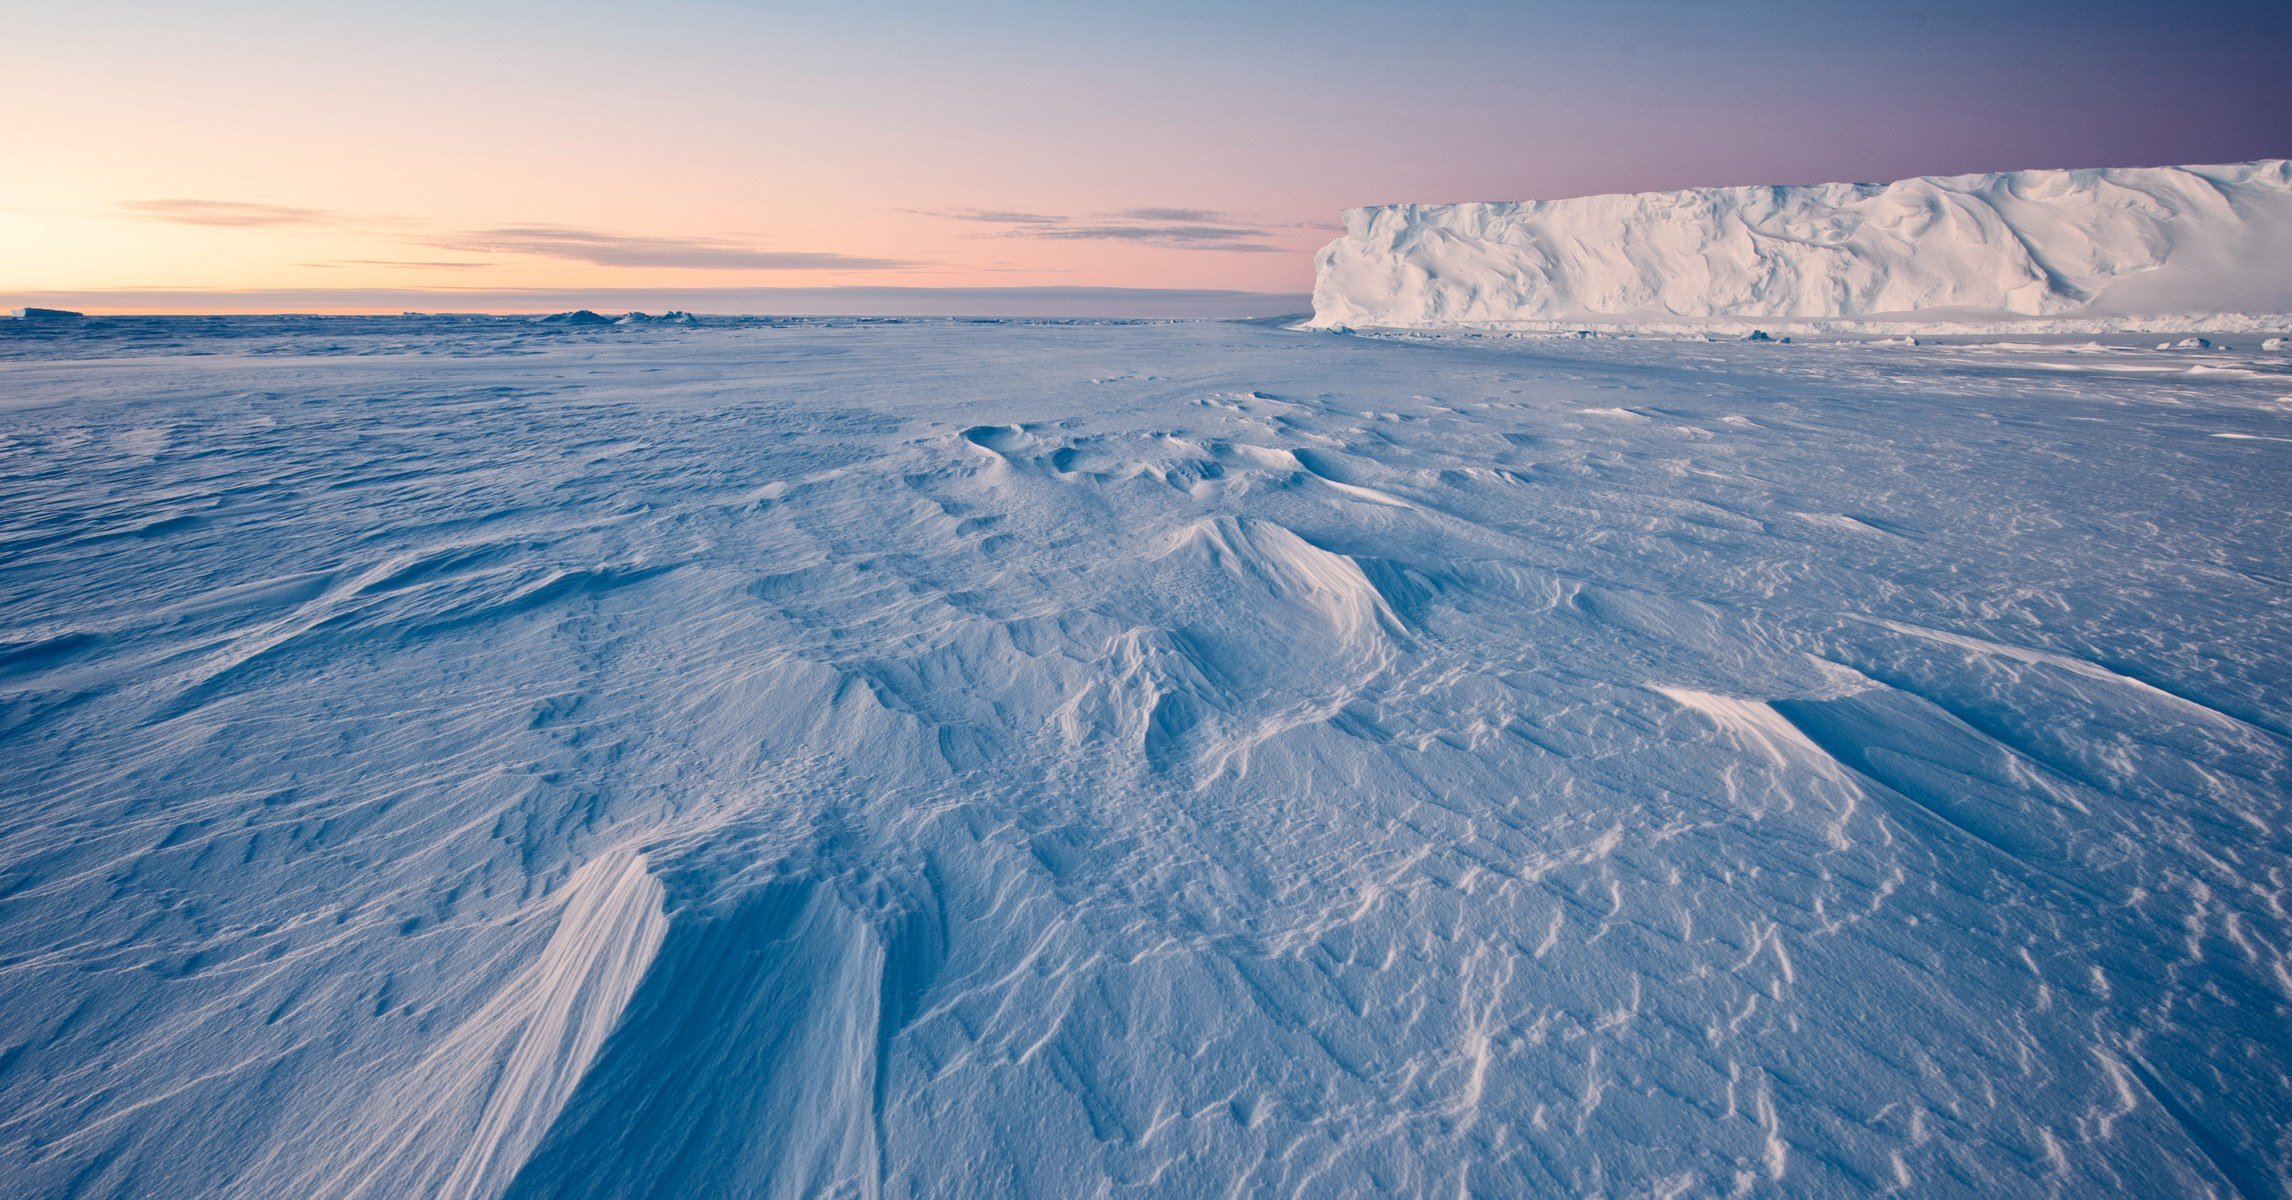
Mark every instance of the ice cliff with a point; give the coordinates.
(2105, 248)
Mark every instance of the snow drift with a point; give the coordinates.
(2111, 248)
(464, 759)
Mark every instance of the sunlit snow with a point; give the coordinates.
(470, 758)
(2086, 250)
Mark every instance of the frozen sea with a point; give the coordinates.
(465, 758)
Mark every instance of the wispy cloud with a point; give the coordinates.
(1181, 237)
(541, 241)
(1171, 228)
(1207, 216)
(622, 250)
(227, 213)
(421, 263)
(993, 216)
(1193, 216)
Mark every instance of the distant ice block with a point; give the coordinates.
(45, 314)
(2111, 248)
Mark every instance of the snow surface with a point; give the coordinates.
(465, 758)
(2091, 250)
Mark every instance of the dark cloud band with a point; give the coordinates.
(617, 250)
(1171, 228)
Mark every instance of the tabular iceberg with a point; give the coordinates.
(2112, 248)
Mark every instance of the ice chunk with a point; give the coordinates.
(2112, 247)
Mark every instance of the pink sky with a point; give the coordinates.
(703, 143)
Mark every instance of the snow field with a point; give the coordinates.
(998, 760)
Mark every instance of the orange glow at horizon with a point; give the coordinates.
(81, 242)
(306, 151)
(244, 145)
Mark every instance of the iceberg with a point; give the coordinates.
(2071, 251)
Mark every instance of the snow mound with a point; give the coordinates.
(473, 760)
(2109, 248)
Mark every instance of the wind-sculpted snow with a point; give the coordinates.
(2120, 248)
(1004, 760)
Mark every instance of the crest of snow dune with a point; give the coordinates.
(2113, 247)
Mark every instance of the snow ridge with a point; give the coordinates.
(474, 1108)
(872, 759)
(2122, 248)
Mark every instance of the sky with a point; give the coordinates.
(356, 152)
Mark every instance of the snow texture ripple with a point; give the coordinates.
(473, 759)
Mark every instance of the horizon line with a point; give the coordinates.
(1047, 300)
